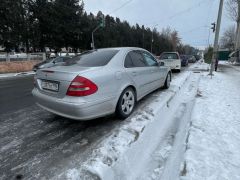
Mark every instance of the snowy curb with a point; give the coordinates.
(7, 75)
(200, 66)
(116, 156)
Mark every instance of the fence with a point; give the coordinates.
(22, 57)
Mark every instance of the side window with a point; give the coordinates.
(65, 59)
(150, 60)
(128, 62)
(58, 60)
(137, 59)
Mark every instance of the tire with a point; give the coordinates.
(126, 103)
(167, 81)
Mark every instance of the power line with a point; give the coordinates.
(182, 12)
(187, 10)
(195, 29)
(117, 9)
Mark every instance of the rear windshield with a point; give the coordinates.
(169, 56)
(183, 57)
(92, 58)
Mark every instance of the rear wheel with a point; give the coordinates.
(167, 81)
(126, 103)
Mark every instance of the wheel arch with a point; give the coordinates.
(125, 87)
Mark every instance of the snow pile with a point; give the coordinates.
(214, 137)
(122, 154)
(200, 66)
(8, 75)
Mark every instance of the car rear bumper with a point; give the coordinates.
(184, 63)
(173, 66)
(78, 111)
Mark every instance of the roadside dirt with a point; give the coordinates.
(17, 66)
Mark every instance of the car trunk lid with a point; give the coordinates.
(56, 80)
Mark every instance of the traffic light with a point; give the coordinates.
(102, 22)
(213, 27)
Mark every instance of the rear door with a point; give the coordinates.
(138, 71)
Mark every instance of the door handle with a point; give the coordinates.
(134, 73)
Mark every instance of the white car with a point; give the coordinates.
(172, 60)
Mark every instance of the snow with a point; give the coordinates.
(214, 136)
(126, 153)
(8, 75)
(188, 132)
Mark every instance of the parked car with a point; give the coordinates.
(184, 60)
(171, 59)
(191, 59)
(100, 82)
(198, 57)
(50, 62)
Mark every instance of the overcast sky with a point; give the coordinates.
(188, 17)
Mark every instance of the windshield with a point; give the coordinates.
(93, 58)
(60, 59)
(169, 56)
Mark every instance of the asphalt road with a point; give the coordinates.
(15, 93)
(35, 144)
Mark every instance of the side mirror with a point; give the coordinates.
(161, 63)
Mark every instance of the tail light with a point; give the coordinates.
(81, 86)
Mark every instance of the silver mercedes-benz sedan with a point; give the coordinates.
(100, 82)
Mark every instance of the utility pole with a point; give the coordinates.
(143, 39)
(238, 29)
(102, 24)
(93, 45)
(152, 42)
(215, 48)
(237, 44)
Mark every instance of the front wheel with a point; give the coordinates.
(126, 103)
(167, 81)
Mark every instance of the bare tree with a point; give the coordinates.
(172, 36)
(228, 38)
(175, 40)
(232, 8)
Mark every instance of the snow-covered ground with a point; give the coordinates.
(213, 144)
(190, 131)
(8, 75)
(143, 147)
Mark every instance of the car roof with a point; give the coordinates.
(123, 48)
(170, 52)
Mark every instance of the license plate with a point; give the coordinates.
(50, 85)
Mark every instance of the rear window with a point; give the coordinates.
(169, 56)
(92, 58)
(182, 56)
